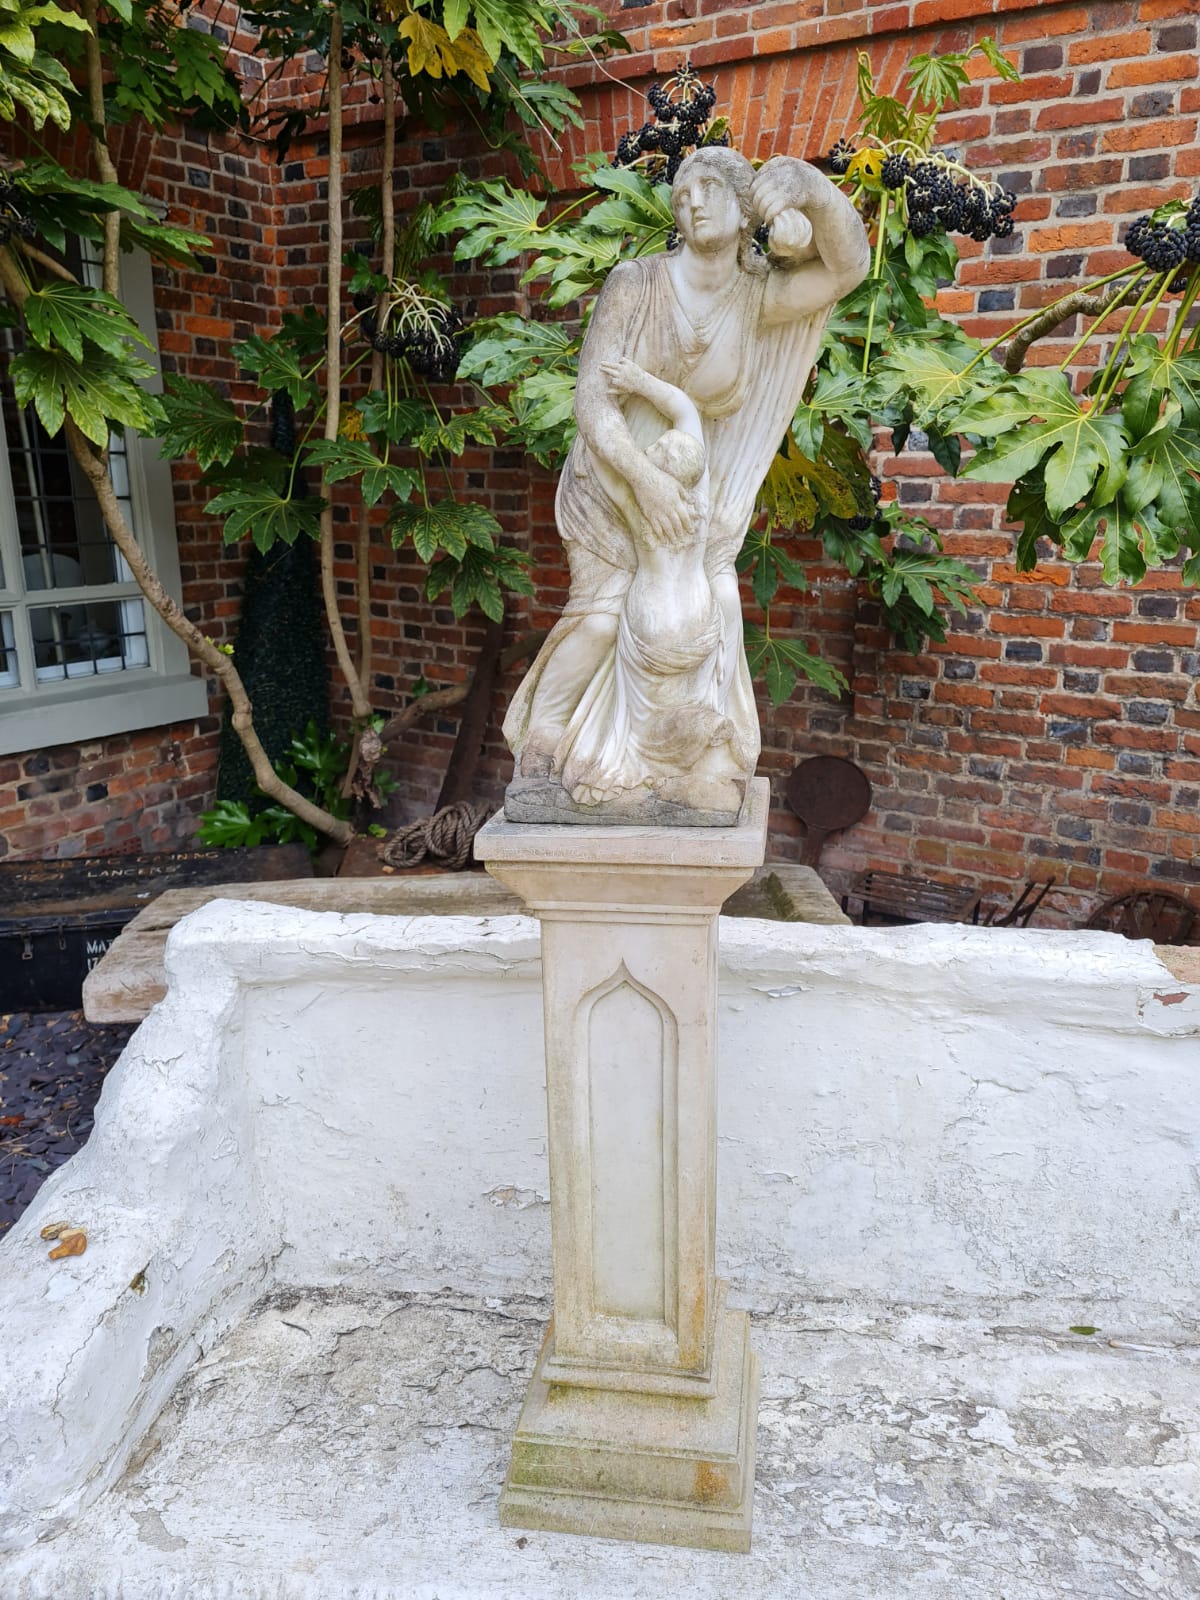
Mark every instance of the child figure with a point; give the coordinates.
(653, 714)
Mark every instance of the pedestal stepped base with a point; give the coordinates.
(640, 1419)
(629, 1465)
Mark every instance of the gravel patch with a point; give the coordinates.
(52, 1067)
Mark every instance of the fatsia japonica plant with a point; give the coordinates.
(79, 363)
(1109, 471)
(822, 481)
(1117, 463)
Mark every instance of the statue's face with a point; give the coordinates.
(707, 212)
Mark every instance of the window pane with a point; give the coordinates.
(9, 676)
(64, 543)
(79, 641)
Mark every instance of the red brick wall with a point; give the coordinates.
(1057, 730)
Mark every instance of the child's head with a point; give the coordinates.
(679, 454)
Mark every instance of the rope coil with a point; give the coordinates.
(445, 838)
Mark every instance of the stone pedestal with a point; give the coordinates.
(640, 1419)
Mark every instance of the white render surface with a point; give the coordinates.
(344, 1448)
(938, 1116)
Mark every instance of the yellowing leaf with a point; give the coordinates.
(472, 58)
(73, 1243)
(350, 423)
(432, 52)
(866, 166)
(428, 45)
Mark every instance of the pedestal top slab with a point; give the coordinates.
(740, 846)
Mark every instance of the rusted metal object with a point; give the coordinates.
(1027, 902)
(1146, 914)
(827, 793)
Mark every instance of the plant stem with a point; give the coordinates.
(359, 703)
(105, 166)
(387, 242)
(1116, 369)
(1101, 387)
(1041, 312)
(876, 275)
(1185, 305)
(95, 469)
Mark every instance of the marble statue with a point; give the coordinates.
(639, 706)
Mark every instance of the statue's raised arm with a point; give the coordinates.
(641, 694)
(814, 236)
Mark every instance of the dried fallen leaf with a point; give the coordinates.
(73, 1243)
(55, 1230)
(138, 1282)
(11, 1122)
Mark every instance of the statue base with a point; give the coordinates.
(685, 803)
(640, 1420)
(658, 1468)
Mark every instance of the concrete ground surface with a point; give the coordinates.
(353, 1449)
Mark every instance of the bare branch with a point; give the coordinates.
(105, 166)
(454, 694)
(354, 780)
(1083, 301)
(359, 703)
(45, 261)
(94, 466)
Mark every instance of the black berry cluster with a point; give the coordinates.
(840, 157)
(1163, 246)
(11, 220)
(682, 108)
(935, 201)
(894, 171)
(432, 346)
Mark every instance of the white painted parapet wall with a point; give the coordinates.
(931, 1115)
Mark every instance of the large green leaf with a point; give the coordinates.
(1120, 541)
(510, 347)
(398, 419)
(1073, 445)
(103, 393)
(498, 223)
(68, 314)
(479, 577)
(200, 422)
(547, 401)
(1027, 505)
(260, 510)
(934, 375)
(275, 364)
(454, 433)
(1156, 373)
(352, 458)
(781, 661)
(768, 568)
(447, 525)
(1172, 457)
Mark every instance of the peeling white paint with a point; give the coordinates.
(939, 1114)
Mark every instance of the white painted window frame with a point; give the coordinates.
(36, 715)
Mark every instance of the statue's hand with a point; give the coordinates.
(624, 376)
(666, 506)
(787, 184)
(790, 233)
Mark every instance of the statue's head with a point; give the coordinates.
(679, 454)
(710, 199)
